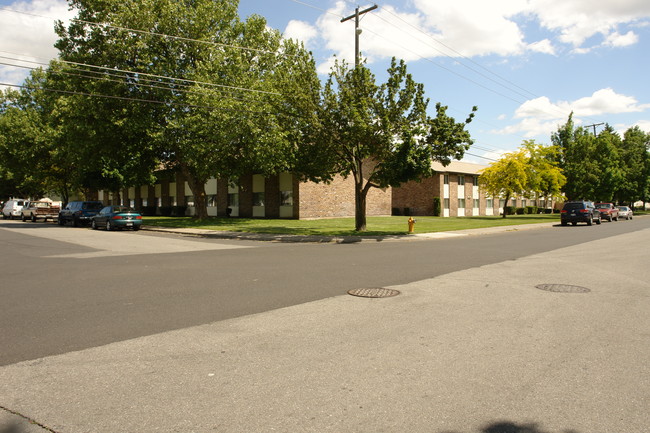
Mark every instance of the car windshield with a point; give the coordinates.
(92, 206)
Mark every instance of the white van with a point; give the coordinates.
(13, 208)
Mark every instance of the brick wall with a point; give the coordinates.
(336, 199)
(417, 197)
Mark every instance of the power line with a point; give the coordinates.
(181, 38)
(137, 73)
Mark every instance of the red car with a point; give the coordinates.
(607, 211)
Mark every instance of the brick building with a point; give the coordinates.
(282, 196)
(456, 187)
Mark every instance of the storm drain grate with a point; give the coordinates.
(562, 288)
(374, 292)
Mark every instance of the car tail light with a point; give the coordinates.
(139, 217)
(117, 217)
(563, 211)
(584, 210)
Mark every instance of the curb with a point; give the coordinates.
(286, 238)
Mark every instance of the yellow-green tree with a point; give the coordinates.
(531, 171)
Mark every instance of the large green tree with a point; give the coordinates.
(381, 135)
(214, 82)
(635, 166)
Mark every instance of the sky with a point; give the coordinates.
(526, 64)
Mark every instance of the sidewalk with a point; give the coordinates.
(477, 351)
(341, 239)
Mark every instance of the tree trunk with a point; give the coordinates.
(360, 195)
(505, 205)
(197, 186)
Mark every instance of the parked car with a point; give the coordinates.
(117, 217)
(608, 211)
(40, 210)
(625, 212)
(79, 212)
(579, 211)
(13, 208)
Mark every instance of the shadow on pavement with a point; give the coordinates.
(511, 427)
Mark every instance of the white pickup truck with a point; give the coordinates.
(40, 210)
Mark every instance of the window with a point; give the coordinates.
(475, 180)
(461, 180)
(446, 204)
(490, 203)
(514, 202)
(189, 200)
(286, 198)
(158, 202)
(258, 199)
(476, 203)
(211, 200)
(461, 203)
(523, 203)
(233, 199)
(446, 179)
(145, 202)
(502, 203)
(132, 203)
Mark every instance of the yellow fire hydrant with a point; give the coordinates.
(411, 224)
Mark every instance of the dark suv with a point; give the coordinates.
(79, 212)
(579, 211)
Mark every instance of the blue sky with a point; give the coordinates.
(525, 63)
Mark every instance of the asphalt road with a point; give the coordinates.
(67, 288)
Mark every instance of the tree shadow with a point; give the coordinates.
(511, 427)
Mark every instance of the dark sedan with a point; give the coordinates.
(117, 217)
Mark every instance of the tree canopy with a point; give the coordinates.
(381, 135)
(531, 171)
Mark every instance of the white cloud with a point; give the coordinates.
(301, 31)
(578, 20)
(540, 116)
(477, 27)
(29, 35)
(544, 46)
(618, 40)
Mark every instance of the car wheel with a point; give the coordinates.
(109, 226)
(75, 222)
(93, 224)
(563, 223)
(590, 222)
(60, 221)
(616, 219)
(599, 220)
(34, 218)
(23, 217)
(136, 228)
(574, 223)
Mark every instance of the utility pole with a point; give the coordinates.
(357, 30)
(594, 125)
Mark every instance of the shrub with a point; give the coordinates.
(436, 206)
(166, 211)
(531, 210)
(509, 210)
(520, 210)
(179, 211)
(148, 210)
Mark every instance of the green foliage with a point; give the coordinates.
(603, 167)
(437, 206)
(381, 135)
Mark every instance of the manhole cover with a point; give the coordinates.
(562, 288)
(374, 292)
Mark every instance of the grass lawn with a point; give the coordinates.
(395, 225)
